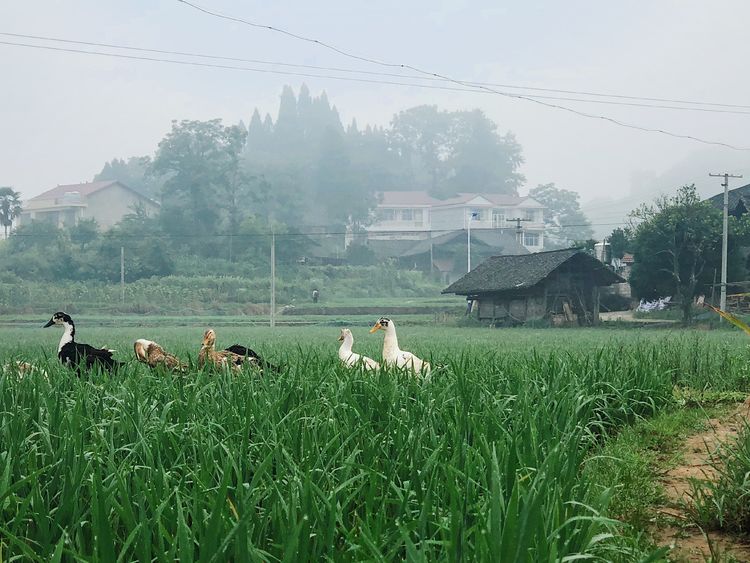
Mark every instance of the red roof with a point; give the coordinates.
(83, 189)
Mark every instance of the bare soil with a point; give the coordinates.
(697, 456)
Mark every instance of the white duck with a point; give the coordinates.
(349, 358)
(392, 354)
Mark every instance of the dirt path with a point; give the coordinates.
(696, 454)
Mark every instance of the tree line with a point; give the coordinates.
(220, 184)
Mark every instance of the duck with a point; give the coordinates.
(349, 358)
(393, 356)
(22, 369)
(233, 357)
(153, 355)
(75, 354)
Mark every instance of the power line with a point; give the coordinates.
(314, 234)
(462, 83)
(329, 77)
(407, 76)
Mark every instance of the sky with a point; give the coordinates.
(62, 115)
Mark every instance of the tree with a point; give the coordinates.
(619, 242)
(84, 232)
(563, 218)
(677, 246)
(200, 161)
(134, 173)
(421, 137)
(481, 160)
(10, 207)
(456, 151)
(146, 254)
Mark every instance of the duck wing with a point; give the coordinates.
(410, 361)
(83, 354)
(253, 356)
(369, 363)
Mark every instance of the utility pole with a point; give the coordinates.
(519, 229)
(122, 274)
(468, 240)
(431, 256)
(724, 236)
(273, 279)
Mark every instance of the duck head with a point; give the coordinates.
(345, 332)
(209, 338)
(59, 318)
(382, 324)
(141, 348)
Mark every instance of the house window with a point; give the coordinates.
(386, 214)
(418, 217)
(530, 215)
(476, 215)
(498, 219)
(407, 214)
(531, 239)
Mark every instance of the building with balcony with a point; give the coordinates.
(416, 215)
(106, 202)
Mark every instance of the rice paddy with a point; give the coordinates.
(320, 463)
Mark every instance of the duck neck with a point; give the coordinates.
(68, 335)
(346, 344)
(390, 342)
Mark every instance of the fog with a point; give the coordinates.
(64, 114)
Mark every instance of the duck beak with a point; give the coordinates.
(377, 327)
(49, 323)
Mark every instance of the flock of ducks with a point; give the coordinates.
(234, 358)
(393, 356)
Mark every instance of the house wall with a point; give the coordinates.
(110, 205)
(544, 301)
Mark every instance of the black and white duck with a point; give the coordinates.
(75, 354)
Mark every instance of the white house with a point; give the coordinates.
(107, 202)
(416, 214)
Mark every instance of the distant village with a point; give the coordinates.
(498, 239)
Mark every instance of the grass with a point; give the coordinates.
(638, 453)
(724, 504)
(483, 462)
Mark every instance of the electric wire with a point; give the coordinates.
(349, 79)
(459, 82)
(399, 75)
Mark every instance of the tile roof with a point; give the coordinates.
(84, 189)
(423, 198)
(498, 241)
(508, 273)
(735, 196)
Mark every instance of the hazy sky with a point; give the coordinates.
(63, 115)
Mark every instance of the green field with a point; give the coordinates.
(483, 462)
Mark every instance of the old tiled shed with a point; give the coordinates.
(560, 285)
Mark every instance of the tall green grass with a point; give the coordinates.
(482, 462)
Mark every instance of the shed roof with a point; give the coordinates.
(498, 240)
(735, 196)
(508, 273)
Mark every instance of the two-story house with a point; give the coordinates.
(107, 202)
(416, 215)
